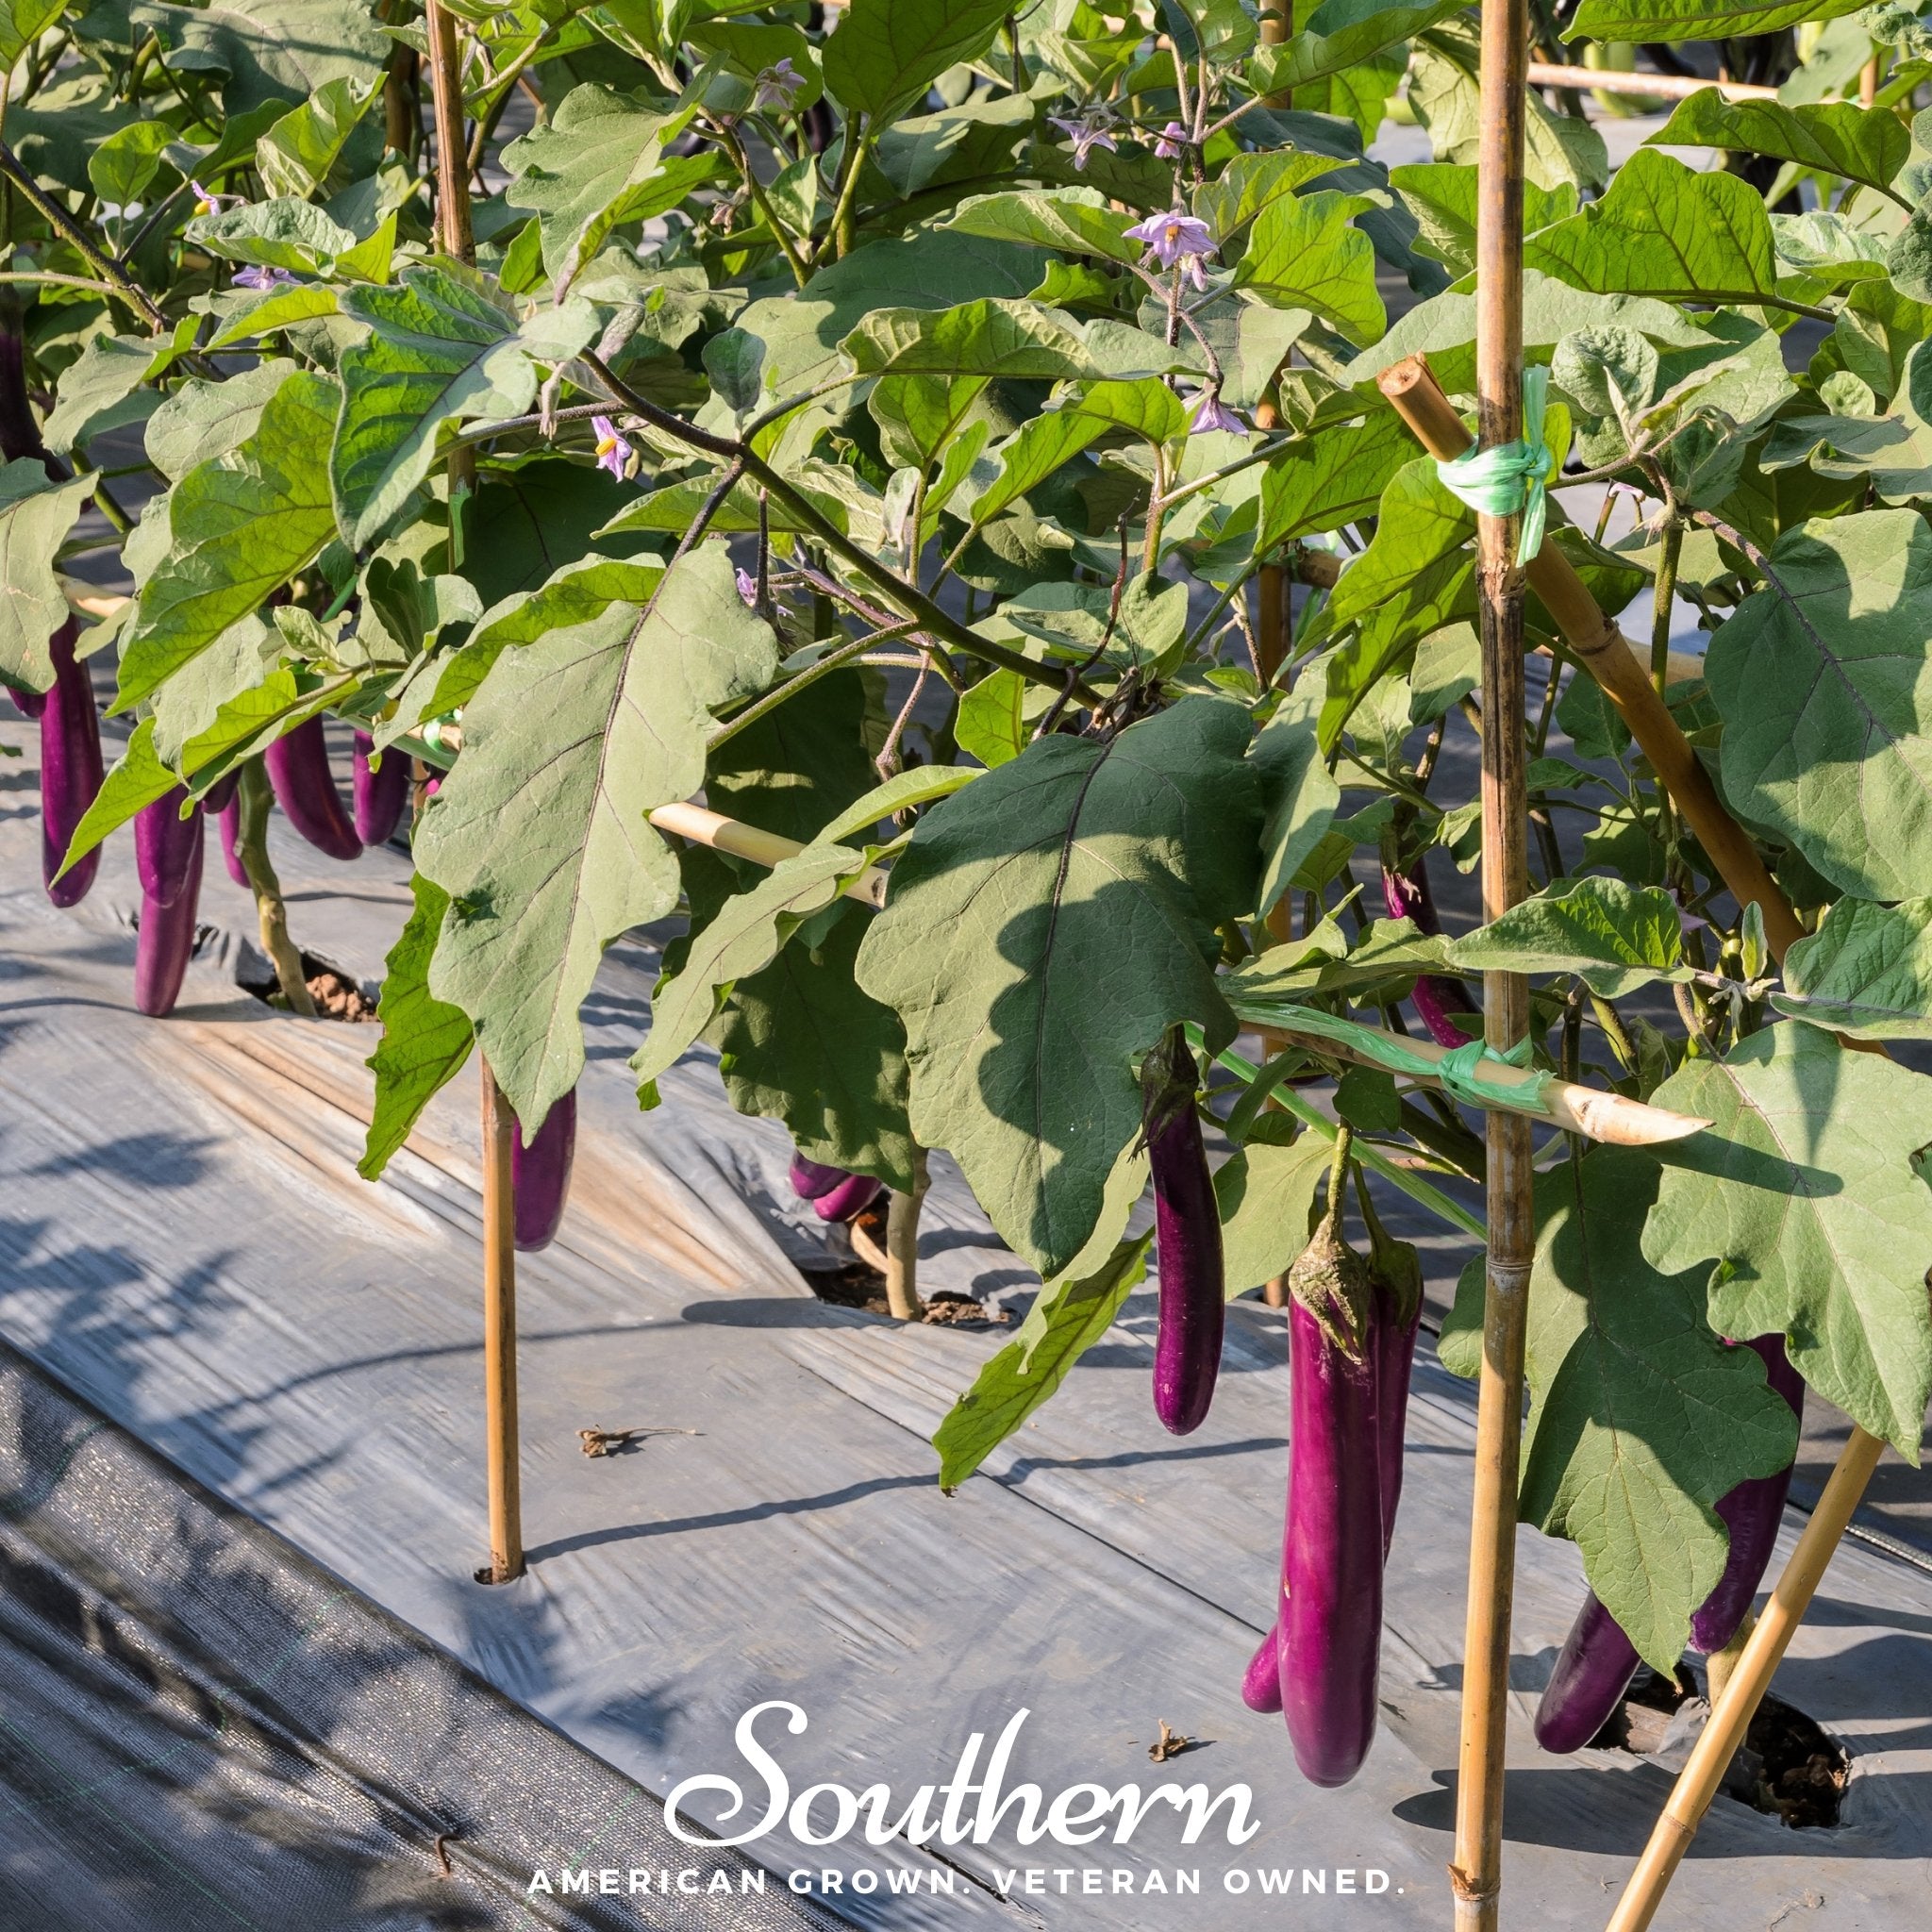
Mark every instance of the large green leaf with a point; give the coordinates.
(35, 518)
(1341, 34)
(1803, 1195)
(1303, 253)
(1696, 20)
(1046, 925)
(298, 155)
(539, 836)
(988, 338)
(1665, 230)
(1250, 182)
(439, 349)
(1641, 1418)
(742, 937)
(1074, 220)
(1065, 1320)
(885, 53)
(591, 167)
(1441, 195)
(241, 527)
(1868, 145)
(266, 50)
(424, 1042)
(1823, 679)
(22, 23)
(1298, 791)
(1866, 971)
(1264, 1191)
(1331, 478)
(1613, 936)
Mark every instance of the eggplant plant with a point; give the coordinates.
(947, 441)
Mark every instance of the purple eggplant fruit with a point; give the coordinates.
(230, 820)
(165, 942)
(1261, 1680)
(1398, 1275)
(381, 792)
(812, 1180)
(30, 703)
(540, 1175)
(1592, 1672)
(305, 791)
(1438, 1000)
(71, 767)
(1331, 1632)
(1751, 1512)
(1193, 1294)
(848, 1199)
(165, 844)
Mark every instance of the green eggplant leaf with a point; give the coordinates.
(1803, 1204)
(35, 519)
(1866, 971)
(885, 53)
(1613, 936)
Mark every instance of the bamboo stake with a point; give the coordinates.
(1611, 1118)
(500, 1339)
(1661, 87)
(1617, 664)
(703, 826)
(1476, 1874)
(1718, 1743)
(500, 1452)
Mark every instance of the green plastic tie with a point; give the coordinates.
(1458, 1069)
(1512, 476)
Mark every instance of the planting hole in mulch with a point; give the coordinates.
(1787, 1769)
(335, 996)
(858, 1285)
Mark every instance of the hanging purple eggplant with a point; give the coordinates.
(305, 791)
(381, 791)
(540, 1175)
(1193, 1282)
(165, 940)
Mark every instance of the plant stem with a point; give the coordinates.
(901, 1244)
(69, 231)
(252, 797)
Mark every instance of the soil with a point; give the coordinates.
(857, 1286)
(335, 997)
(1787, 1769)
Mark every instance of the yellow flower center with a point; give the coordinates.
(606, 445)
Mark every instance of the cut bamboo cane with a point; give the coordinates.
(501, 1446)
(1718, 1743)
(703, 826)
(1611, 1118)
(1659, 87)
(500, 1339)
(1476, 1875)
(1619, 665)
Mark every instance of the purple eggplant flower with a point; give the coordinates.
(748, 588)
(779, 86)
(263, 279)
(613, 453)
(1211, 413)
(1088, 133)
(1173, 237)
(1171, 141)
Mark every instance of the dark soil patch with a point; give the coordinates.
(335, 997)
(1787, 1769)
(857, 1286)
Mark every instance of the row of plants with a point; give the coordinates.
(947, 441)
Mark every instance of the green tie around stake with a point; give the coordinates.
(1512, 476)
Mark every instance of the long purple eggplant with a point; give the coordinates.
(1594, 1670)
(1751, 1512)
(1597, 1661)
(165, 844)
(230, 820)
(1187, 1220)
(1331, 1633)
(848, 1199)
(30, 703)
(71, 767)
(1438, 1000)
(1397, 1270)
(380, 793)
(1261, 1680)
(305, 791)
(811, 1180)
(540, 1175)
(165, 942)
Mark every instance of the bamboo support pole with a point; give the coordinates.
(1611, 1118)
(1718, 1743)
(1620, 665)
(1476, 1875)
(1659, 87)
(703, 826)
(500, 1339)
(455, 238)
(1611, 659)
